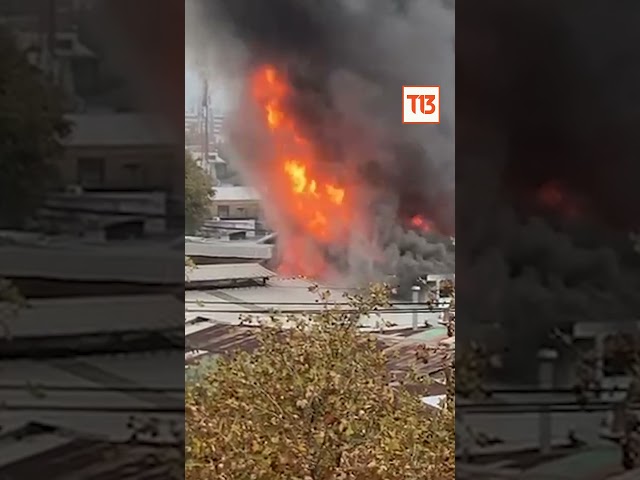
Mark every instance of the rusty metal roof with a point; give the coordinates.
(404, 355)
(38, 448)
(221, 339)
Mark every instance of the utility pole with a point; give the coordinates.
(205, 122)
(205, 130)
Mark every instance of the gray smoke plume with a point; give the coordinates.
(347, 61)
(520, 265)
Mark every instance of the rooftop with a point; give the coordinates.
(81, 316)
(63, 454)
(233, 194)
(224, 339)
(292, 295)
(74, 261)
(212, 275)
(68, 404)
(227, 249)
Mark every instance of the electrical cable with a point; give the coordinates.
(68, 388)
(329, 304)
(95, 409)
(309, 312)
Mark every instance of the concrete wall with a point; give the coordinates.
(236, 208)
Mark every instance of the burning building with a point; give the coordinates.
(317, 126)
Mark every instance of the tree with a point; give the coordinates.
(197, 194)
(32, 126)
(314, 401)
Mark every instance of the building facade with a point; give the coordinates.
(121, 152)
(237, 203)
(120, 176)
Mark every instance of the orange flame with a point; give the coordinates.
(421, 223)
(316, 205)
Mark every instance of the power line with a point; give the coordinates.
(97, 388)
(522, 409)
(318, 303)
(68, 388)
(95, 409)
(311, 312)
(534, 390)
(551, 403)
(539, 407)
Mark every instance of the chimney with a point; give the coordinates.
(415, 297)
(546, 358)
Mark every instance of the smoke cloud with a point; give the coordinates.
(347, 61)
(523, 121)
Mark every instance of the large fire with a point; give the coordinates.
(421, 223)
(318, 208)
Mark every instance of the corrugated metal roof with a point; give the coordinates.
(83, 263)
(39, 438)
(223, 339)
(220, 339)
(404, 355)
(83, 424)
(283, 295)
(71, 457)
(205, 274)
(77, 316)
(228, 249)
(119, 130)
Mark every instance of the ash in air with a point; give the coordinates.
(317, 125)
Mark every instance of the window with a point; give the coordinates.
(223, 211)
(242, 213)
(221, 170)
(134, 174)
(91, 172)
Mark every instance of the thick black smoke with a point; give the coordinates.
(546, 92)
(348, 61)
